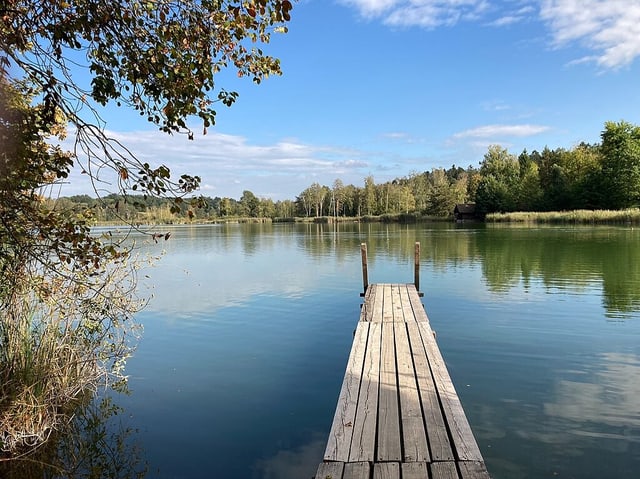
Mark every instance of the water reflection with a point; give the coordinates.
(97, 444)
(606, 396)
(299, 462)
(251, 327)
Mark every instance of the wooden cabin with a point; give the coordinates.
(465, 212)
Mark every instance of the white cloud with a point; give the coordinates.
(229, 164)
(495, 131)
(422, 13)
(610, 28)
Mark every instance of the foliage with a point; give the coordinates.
(62, 337)
(66, 296)
(500, 173)
(158, 57)
(621, 163)
(585, 177)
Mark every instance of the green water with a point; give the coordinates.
(249, 329)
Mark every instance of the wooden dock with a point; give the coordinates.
(398, 415)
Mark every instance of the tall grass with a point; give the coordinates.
(62, 337)
(628, 216)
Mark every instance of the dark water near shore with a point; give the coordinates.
(247, 336)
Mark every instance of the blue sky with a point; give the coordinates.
(391, 87)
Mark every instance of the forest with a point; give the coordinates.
(588, 176)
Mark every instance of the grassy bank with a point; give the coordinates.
(628, 216)
(387, 218)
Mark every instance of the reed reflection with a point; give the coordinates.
(97, 444)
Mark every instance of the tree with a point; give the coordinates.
(317, 195)
(369, 201)
(159, 58)
(60, 285)
(338, 193)
(621, 164)
(249, 204)
(500, 173)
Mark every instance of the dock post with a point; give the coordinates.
(365, 273)
(416, 267)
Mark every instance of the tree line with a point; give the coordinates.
(588, 176)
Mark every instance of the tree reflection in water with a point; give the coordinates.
(97, 444)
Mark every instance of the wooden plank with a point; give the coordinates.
(414, 436)
(389, 448)
(396, 301)
(473, 470)
(443, 470)
(387, 305)
(357, 470)
(386, 470)
(367, 310)
(341, 433)
(330, 470)
(414, 470)
(465, 446)
(364, 427)
(407, 307)
(416, 304)
(439, 442)
(376, 300)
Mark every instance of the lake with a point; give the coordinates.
(249, 328)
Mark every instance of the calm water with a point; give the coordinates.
(249, 329)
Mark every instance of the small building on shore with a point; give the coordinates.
(465, 212)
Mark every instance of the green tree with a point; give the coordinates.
(442, 198)
(338, 194)
(621, 164)
(249, 204)
(499, 183)
(420, 186)
(369, 200)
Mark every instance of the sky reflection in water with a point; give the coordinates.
(247, 336)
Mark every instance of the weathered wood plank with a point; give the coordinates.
(405, 300)
(473, 470)
(389, 448)
(387, 304)
(364, 427)
(376, 300)
(396, 301)
(465, 446)
(386, 470)
(341, 433)
(357, 470)
(414, 470)
(330, 470)
(439, 443)
(416, 304)
(367, 312)
(443, 470)
(414, 437)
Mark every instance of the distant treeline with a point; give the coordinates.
(587, 177)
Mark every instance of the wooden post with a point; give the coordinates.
(365, 273)
(416, 267)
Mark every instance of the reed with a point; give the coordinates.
(62, 337)
(627, 216)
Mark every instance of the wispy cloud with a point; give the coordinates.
(610, 28)
(501, 131)
(229, 164)
(511, 17)
(422, 13)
